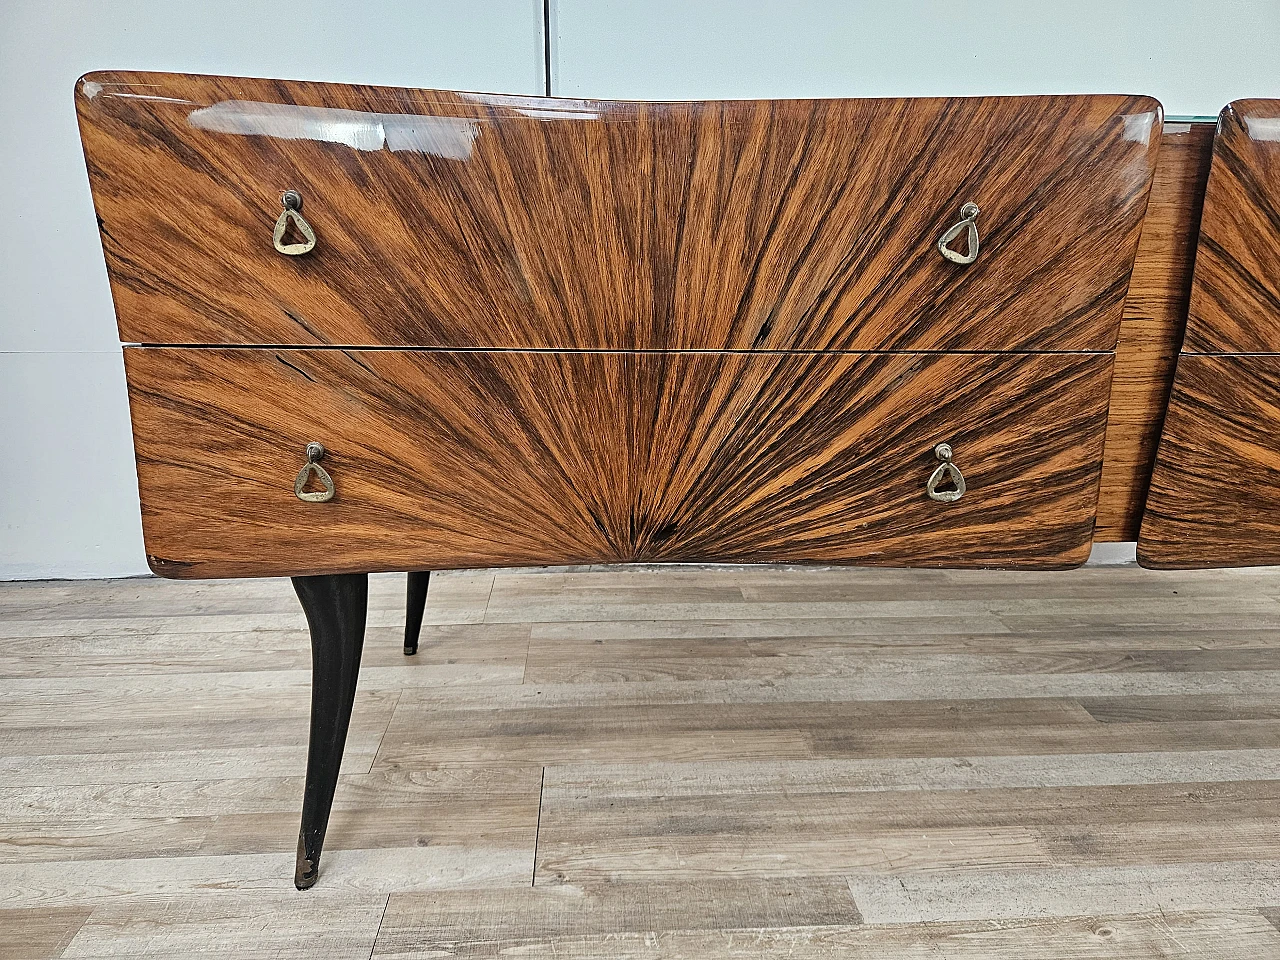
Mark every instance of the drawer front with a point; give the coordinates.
(456, 459)
(474, 221)
(1213, 492)
(1235, 300)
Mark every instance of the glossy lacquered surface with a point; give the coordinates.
(1235, 301)
(467, 220)
(1213, 495)
(470, 459)
(1212, 501)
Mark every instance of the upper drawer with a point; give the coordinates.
(444, 459)
(466, 220)
(1235, 298)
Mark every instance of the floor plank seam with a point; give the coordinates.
(373, 947)
(391, 714)
(537, 830)
(488, 599)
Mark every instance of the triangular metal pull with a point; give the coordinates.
(969, 217)
(946, 483)
(315, 452)
(292, 202)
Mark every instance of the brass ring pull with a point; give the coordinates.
(969, 221)
(315, 452)
(945, 471)
(292, 203)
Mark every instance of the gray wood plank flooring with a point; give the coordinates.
(654, 762)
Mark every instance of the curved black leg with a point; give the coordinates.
(335, 607)
(418, 581)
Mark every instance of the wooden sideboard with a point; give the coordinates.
(687, 331)
(381, 329)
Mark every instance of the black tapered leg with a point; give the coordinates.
(418, 581)
(335, 607)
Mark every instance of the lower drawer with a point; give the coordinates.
(445, 459)
(1213, 497)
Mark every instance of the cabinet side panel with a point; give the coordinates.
(1155, 312)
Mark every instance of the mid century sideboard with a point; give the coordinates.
(383, 329)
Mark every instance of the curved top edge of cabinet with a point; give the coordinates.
(144, 83)
(1235, 294)
(489, 221)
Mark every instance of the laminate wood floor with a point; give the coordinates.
(644, 762)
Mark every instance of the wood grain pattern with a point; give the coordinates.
(416, 923)
(1154, 935)
(462, 459)
(803, 459)
(468, 220)
(622, 833)
(39, 933)
(1213, 494)
(1212, 500)
(1235, 301)
(1151, 329)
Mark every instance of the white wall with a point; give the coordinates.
(1193, 55)
(68, 500)
(68, 492)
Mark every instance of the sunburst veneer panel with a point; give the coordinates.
(813, 224)
(441, 460)
(475, 220)
(459, 459)
(795, 458)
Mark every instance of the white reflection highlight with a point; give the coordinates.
(450, 138)
(150, 96)
(538, 113)
(1138, 127)
(1263, 128)
(553, 109)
